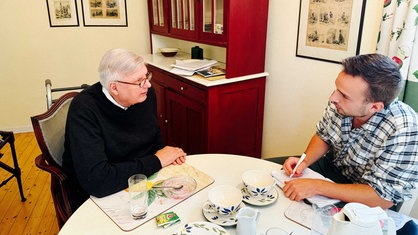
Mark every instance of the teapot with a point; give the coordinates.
(359, 219)
(247, 221)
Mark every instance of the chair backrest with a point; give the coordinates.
(49, 129)
(49, 90)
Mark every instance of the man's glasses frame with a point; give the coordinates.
(148, 77)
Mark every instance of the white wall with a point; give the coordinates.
(31, 51)
(298, 89)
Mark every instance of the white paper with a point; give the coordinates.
(193, 65)
(182, 72)
(321, 201)
(399, 219)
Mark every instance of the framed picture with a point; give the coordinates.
(330, 30)
(62, 13)
(104, 13)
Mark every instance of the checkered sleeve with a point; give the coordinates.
(395, 171)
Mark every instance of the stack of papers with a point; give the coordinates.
(189, 67)
(318, 200)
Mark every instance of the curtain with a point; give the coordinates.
(398, 39)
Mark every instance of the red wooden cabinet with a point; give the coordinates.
(211, 21)
(193, 20)
(158, 18)
(223, 118)
(219, 119)
(182, 17)
(185, 124)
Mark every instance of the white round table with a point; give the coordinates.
(225, 169)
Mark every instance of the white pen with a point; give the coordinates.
(297, 164)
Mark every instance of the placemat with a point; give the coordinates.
(300, 213)
(116, 206)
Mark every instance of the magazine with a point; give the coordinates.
(211, 72)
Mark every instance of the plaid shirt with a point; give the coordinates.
(382, 153)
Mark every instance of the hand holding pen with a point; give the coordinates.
(298, 164)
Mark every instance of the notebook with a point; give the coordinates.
(321, 201)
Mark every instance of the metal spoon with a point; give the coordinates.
(173, 187)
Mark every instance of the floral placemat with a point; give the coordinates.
(116, 206)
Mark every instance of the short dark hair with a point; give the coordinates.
(380, 72)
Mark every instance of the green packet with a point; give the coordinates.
(167, 219)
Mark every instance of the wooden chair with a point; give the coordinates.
(49, 129)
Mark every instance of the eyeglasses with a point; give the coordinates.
(148, 77)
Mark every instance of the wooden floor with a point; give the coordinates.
(37, 214)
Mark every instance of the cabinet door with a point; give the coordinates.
(158, 15)
(212, 23)
(162, 118)
(183, 17)
(235, 118)
(185, 123)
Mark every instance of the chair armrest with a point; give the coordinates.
(41, 162)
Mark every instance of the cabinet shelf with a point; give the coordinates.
(243, 36)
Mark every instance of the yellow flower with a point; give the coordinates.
(149, 185)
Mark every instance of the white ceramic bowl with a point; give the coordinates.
(224, 199)
(257, 182)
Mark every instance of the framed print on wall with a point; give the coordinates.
(62, 13)
(104, 13)
(330, 30)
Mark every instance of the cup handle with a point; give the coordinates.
(209, 207)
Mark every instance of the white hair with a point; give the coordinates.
(117, 63)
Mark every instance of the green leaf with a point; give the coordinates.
(151, 196)
(153, 176)
(159, 183)
(416, 74)
(415, 8)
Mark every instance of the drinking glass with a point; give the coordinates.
(322, 219)
(138, 196)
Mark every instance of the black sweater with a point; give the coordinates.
(105, 144)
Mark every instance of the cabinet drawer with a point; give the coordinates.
(182, 88)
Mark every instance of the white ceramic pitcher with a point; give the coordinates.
(247, 221)
(359, 219)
